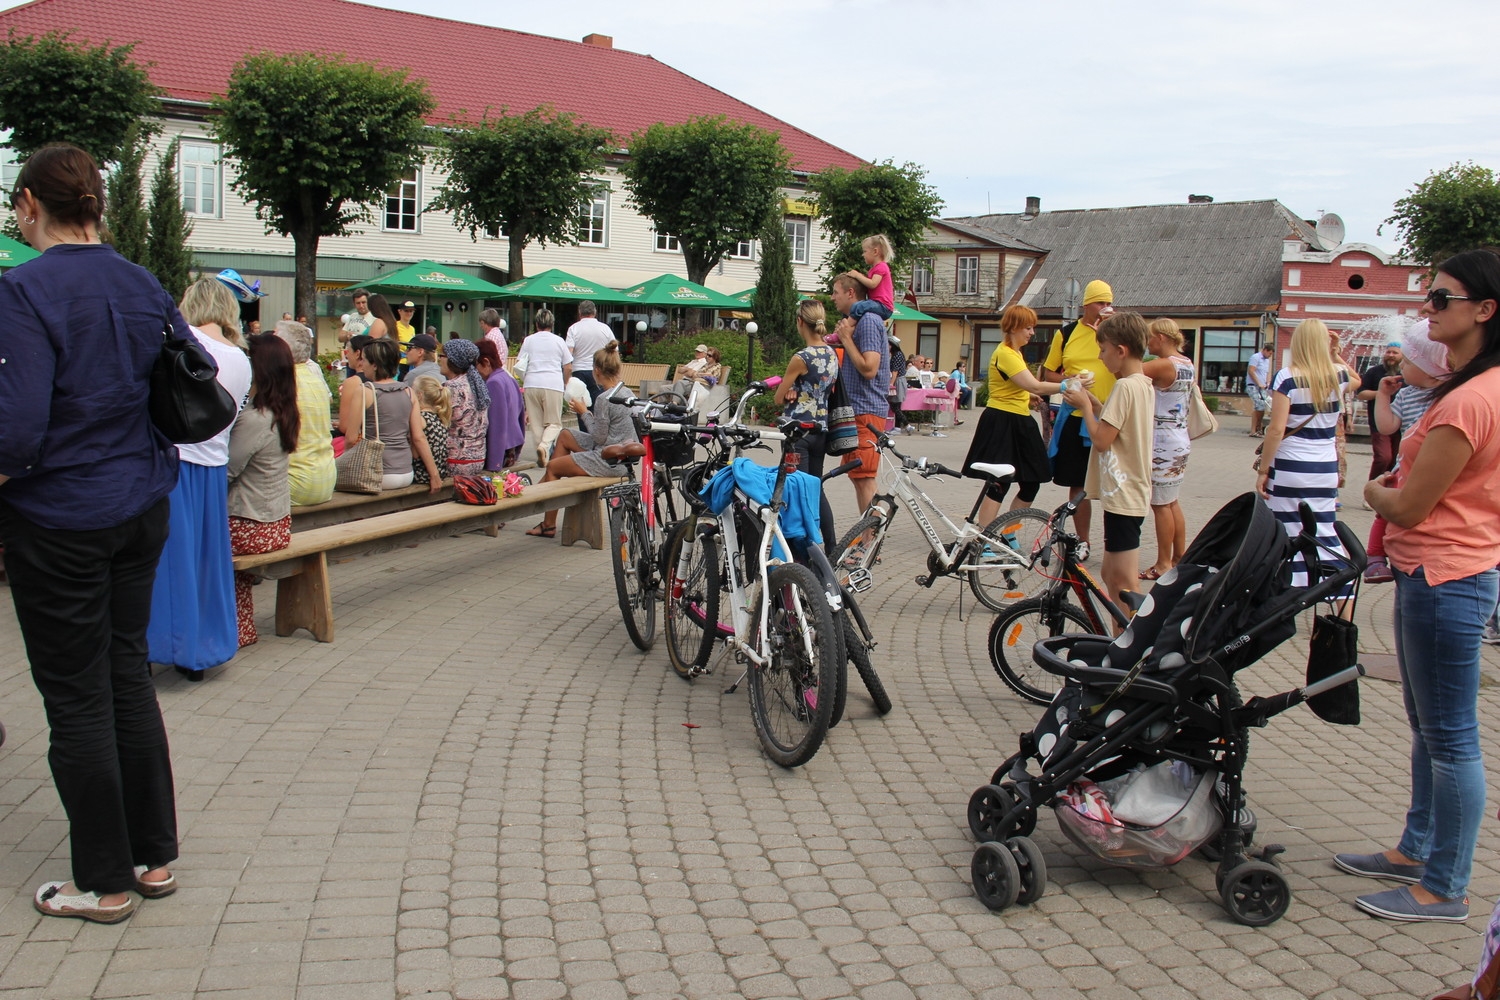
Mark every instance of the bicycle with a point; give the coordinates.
(635, 526)
(997, 560)
(782, 625)
(1049, 613)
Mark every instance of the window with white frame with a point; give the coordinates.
(921, 276)
(796, 234)
(401, 213)
(198, 177)
(667, 243)
(968, 276)
(744, 248)
(591, 220)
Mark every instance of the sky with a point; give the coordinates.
(1328, 106)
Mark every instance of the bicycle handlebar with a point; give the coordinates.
(847, 467)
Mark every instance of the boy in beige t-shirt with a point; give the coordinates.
(1121, 431)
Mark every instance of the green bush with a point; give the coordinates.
(1212, 402)
(334, 377)
(734, 352)
(981, 394)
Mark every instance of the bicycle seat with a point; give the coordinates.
(995, 470)
(626, 453)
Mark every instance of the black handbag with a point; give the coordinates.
(188, 404)
(1334, 647)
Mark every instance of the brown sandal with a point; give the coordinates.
(543, 530)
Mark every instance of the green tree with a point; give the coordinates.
(318, 139)
(706, 182)
(125, 209)
(521, 175)
(168, 255)
(55, 90)
(875, 198)
(1454, 209)
(776, 287)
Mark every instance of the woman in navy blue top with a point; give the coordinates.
(84, 479)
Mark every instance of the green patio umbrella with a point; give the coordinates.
(903, 314)
(746, 299)
(434, 279)
(672, 292)
(553, 286)
(13, 252)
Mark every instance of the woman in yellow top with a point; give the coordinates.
(1006, 432)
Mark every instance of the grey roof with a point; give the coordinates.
(991, 236)
(1175, 259)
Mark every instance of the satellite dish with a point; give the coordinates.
(1330, 230)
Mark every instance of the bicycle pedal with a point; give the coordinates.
(923, 580)
(860, 580)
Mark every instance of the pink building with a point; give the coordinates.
(1361, 292)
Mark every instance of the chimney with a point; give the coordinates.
(1033, 206)
(599, 41)
(1200, 199)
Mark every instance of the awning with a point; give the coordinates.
(906, 314)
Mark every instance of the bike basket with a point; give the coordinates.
(673, 449)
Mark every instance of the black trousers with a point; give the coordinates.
(83, 599)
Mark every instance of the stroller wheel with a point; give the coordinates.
(997, 879)
(988, 807)
(1255, 893)
(1033, 868)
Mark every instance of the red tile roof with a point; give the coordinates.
(468, 67)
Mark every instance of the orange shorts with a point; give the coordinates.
(870, 428)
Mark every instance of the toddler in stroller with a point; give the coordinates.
(1142, 751)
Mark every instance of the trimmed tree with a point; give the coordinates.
(1454, 209)
(168, 255)
(776, 288)
(125, 209)
(55, 90)
(876, 198)
(705, 182)
(318, 139)
(524, 176)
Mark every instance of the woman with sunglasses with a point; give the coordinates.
(1442, 503)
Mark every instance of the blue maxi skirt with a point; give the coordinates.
(192, 604)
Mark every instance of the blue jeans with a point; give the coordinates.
(1437, 646)
(868, 306)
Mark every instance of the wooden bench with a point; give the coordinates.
(358, 506)
(633, 372)
(303, 596)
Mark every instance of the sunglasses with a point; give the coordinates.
(1440, 297)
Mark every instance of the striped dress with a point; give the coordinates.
(1306, 467)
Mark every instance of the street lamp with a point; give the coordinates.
(750, 329)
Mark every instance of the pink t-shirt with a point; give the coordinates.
(1461, 536)
(885, 292)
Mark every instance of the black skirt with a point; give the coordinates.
(1009, 438)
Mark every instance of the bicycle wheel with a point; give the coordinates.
(691, 612)
(859, 655)
(630, 549)
(857, 553)
(791, 696)
(1017, 629)
(1019, 531)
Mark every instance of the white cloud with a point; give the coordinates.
(1336, 105)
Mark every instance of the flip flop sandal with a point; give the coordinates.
(51, 901)
(154, 890)
(542, 531)
(1149, 573)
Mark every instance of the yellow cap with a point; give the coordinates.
(1097, 291)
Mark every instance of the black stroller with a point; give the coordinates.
(1143, 750)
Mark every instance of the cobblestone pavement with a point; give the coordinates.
(483, 790)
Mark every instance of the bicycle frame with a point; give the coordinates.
(1075, 577)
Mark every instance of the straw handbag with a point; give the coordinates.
(361, 467)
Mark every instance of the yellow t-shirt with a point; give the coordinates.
(1005, 394)
(404, 333)
(1120, 476)
(1081, 353)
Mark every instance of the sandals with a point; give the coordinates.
(51, 901)
(154, 890)
(1149, 573)
(543, 530)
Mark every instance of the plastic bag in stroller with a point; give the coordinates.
(1142, 752)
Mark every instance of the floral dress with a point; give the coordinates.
(1170, 442)
(437, 443)
(468, 434)
(813, 386)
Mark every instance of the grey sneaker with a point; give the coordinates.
(1378, 866)
(1400, 904)
(1491, 635)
